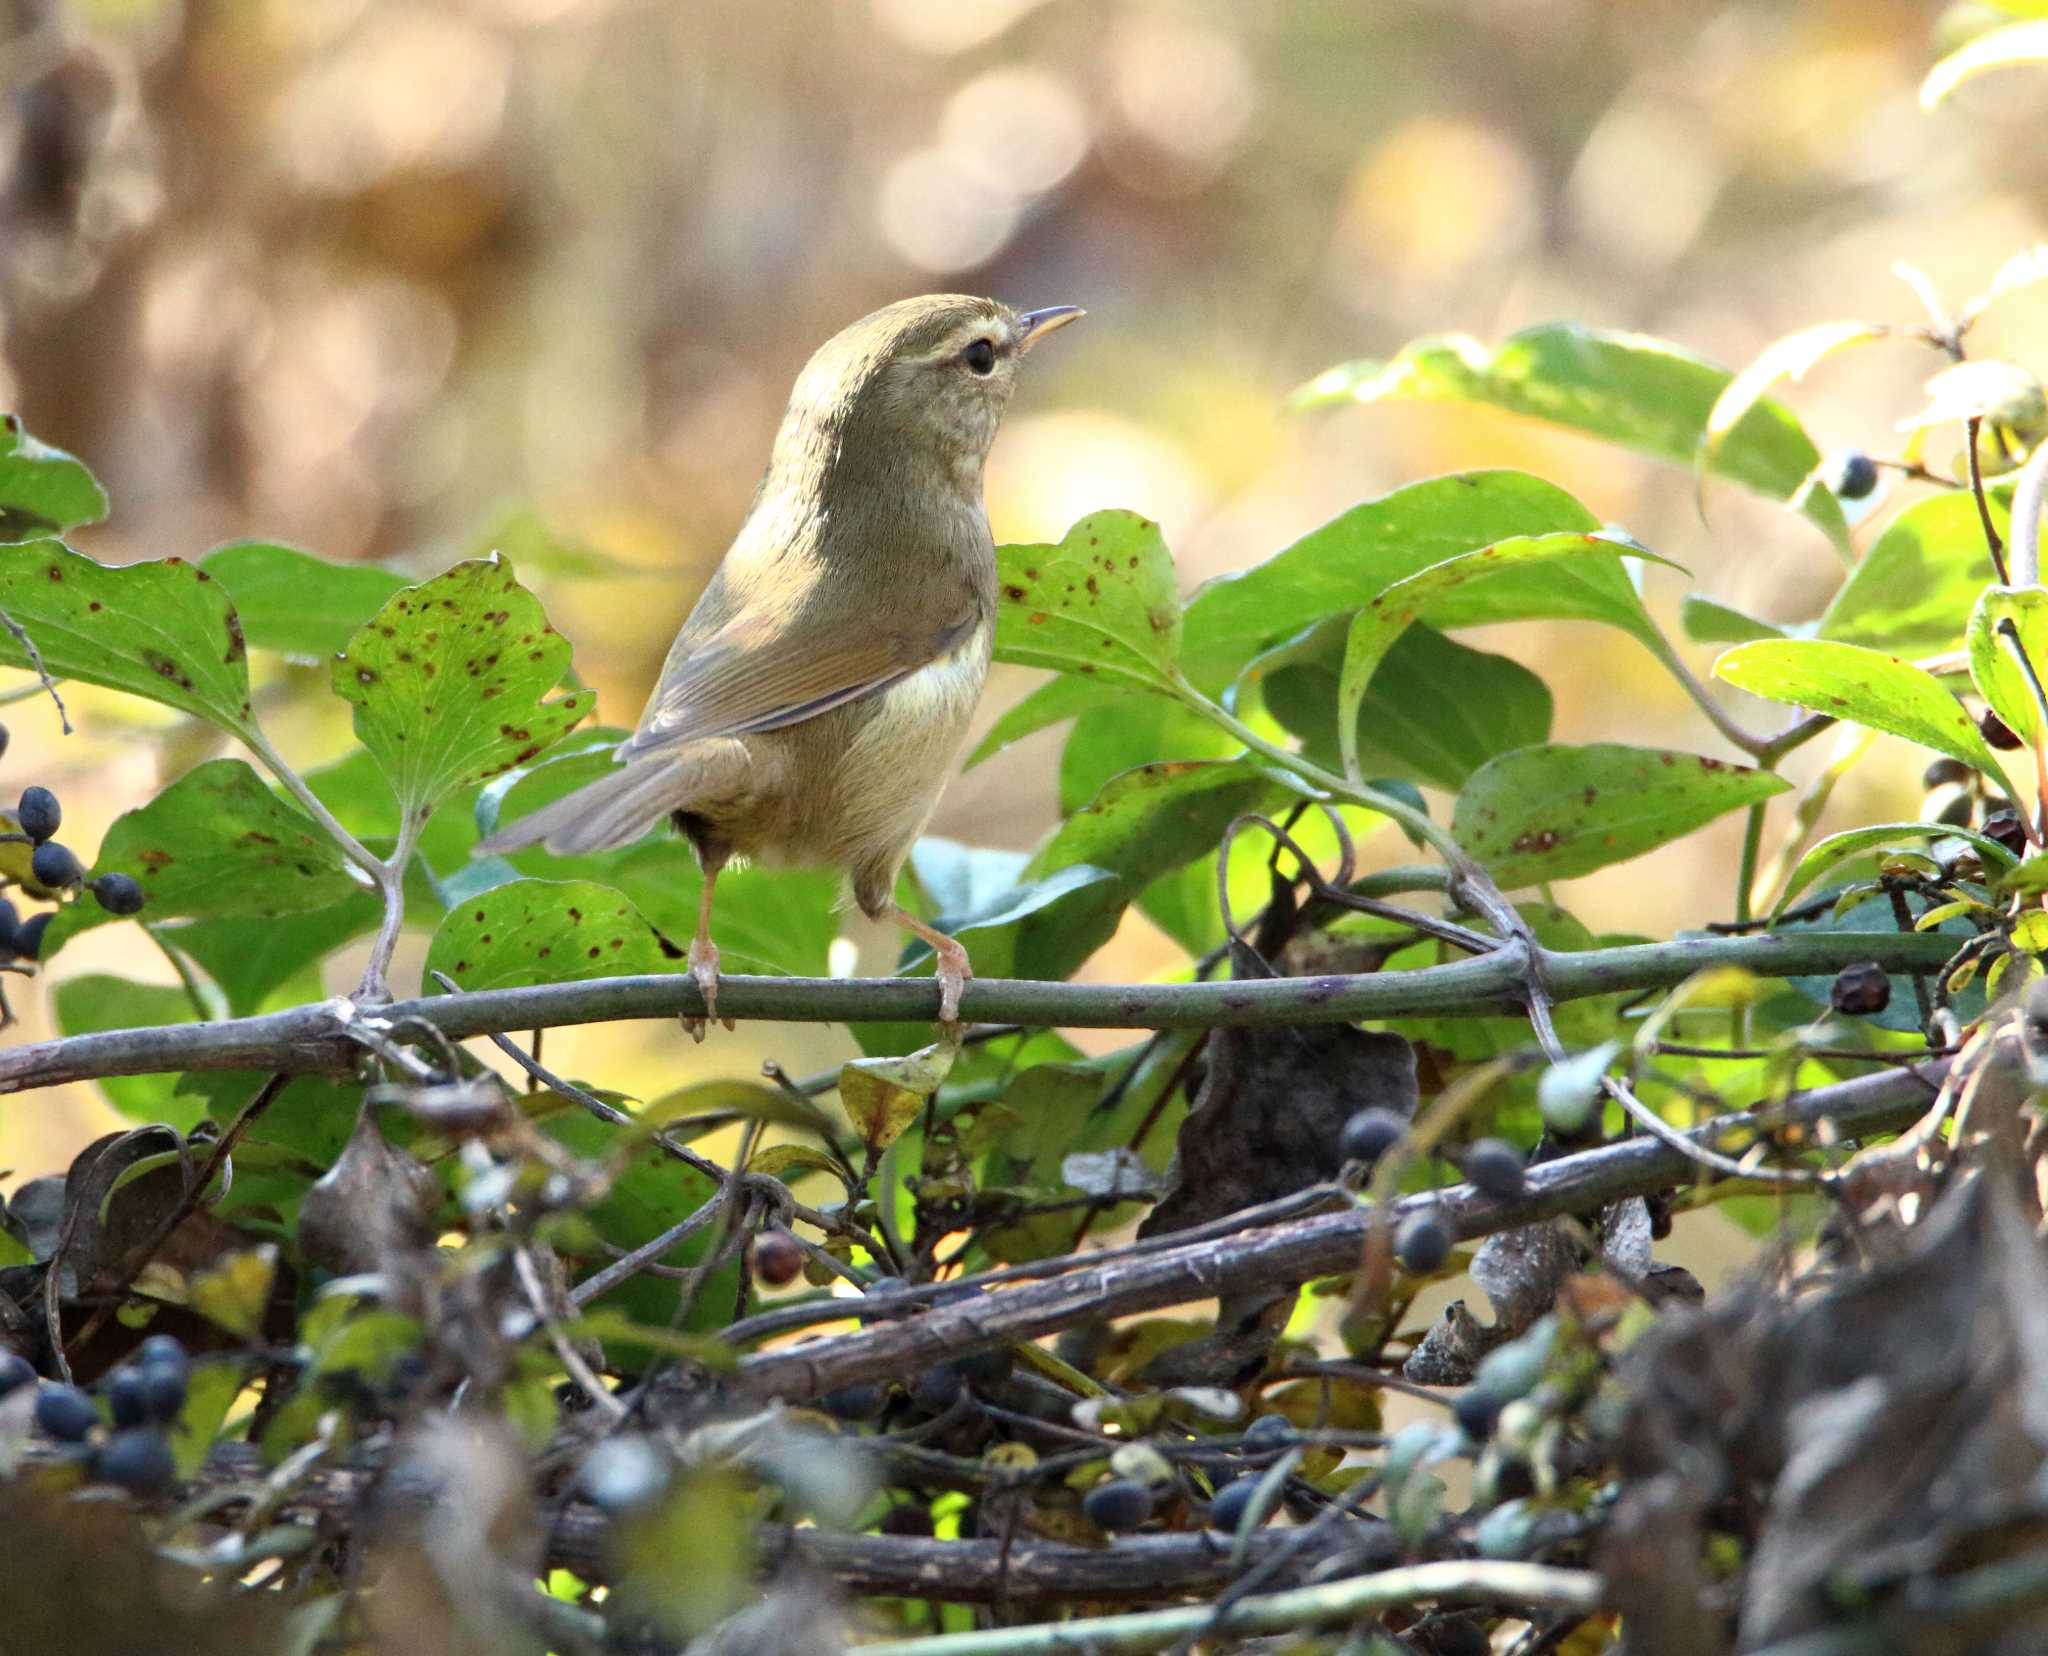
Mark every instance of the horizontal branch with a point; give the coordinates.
(318, 1037)
(1292, 1252)
(1530, 1589)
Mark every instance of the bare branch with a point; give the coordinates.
(1292, 1252)
(318, 1038)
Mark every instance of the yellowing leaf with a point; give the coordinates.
(882, 1096)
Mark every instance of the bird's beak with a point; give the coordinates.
(1034, 325)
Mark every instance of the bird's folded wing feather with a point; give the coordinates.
(737, 680)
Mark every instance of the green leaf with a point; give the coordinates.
(294, 602)
(1055, 1106)
(647, 1197)
(1357, 555)
(165, 630)
(1103, 603)
(43, 490)
(1640, 393)
(1434, 712)
(545, 931)
(448, 681)
(2006, 617)
(1836, 849)
(1553, 813)
(217, 842)
(1580, 578)
(1053, 701)
(1107, 741)
(1143, 823)
(2006, 48)
(210, 1392)
(96, 1001)
(1913, 589)
(1709, 621)
(1789, 358)
(252, 960)
(1866, 687)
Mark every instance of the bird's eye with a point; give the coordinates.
(980, 357)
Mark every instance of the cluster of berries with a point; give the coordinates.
(54, 868)
(142, 1399)
(1423, 1241)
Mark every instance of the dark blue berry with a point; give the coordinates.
(1270, 1431)
(163, 1390)
(125, 1400)
(1855, 475)
(1476, 1412)
(1494, 1166)
(936, 1389)
(15, 1372)
(1422, 1243)
(1230, 1503)
(861, 1401)
(1120, 1504)
(118, 894)
(39, 813)
(66, 1413)
(138, 1460)
(1370, 1134)
(28, 937)
(163, 1350)
(56, 867)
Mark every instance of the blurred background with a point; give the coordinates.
(402, 280)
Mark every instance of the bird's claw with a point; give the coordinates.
(953, 972)
(704, 973)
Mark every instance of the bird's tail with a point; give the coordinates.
(614, 810)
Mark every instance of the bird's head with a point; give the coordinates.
(918, 382)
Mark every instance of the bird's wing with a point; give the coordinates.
(751, 675)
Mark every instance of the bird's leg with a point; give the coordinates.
(954, 967)
(704, 954)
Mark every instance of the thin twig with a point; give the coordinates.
(35, 661)
(1975, 426)
(565, 1349)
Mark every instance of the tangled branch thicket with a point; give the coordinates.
(379, 1326)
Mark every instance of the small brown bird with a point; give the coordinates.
(815, 699)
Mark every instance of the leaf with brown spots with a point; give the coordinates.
(165, 630)
(546, 931)
(43, 490)
(1553, 813)
(1866, 687)
(449, 681)
(216, 842)
(1103, 603)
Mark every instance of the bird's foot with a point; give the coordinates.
(704, 973)
(954, 969)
